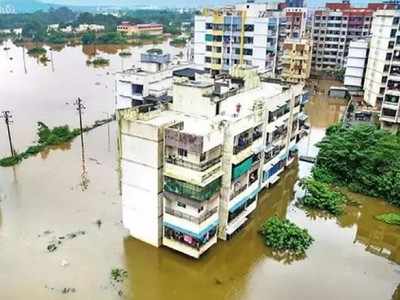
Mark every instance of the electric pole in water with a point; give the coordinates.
(8, 119)
(80, 107)
(84, 178)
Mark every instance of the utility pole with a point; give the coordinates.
(8, 119)
(84, 178)
(79, 108)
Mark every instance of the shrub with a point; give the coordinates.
(10, 161)
(389, 218)
(118, 275)
(283, 235)
(37, 51)
(98, 62)
(125, 53)
(319, 195)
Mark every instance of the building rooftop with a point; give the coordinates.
(188, 73)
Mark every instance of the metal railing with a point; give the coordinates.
(193, 166)
(197, 220)
(240, 190)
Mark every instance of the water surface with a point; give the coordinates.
(353, 257)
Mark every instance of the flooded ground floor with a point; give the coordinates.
(43, 199)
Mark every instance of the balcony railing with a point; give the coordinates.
(188, 240)
(193, 166)
(242, 144)
(238, 191)
(191, 191)
(193, 219)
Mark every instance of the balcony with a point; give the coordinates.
(195, 173)
(188, 244)
(196, 220)
(391, 101)
(395, 72)
(388, 115)
(192, 191)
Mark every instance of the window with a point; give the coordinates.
(249, 27)
(207, 59)
(180, 204)
(393, 33)
(382, 90)
(200, 209)
(208, 48)
(391, 45)
(203, 157)
(388, 56)
(386, 68)
(384, 79)
(182, 152)
(396, 20)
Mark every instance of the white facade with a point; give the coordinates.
(246, 34)
(153, 78)
(191, 170)
(89, 27)
(356, 64)
(382, 79)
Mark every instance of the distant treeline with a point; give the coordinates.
(35, 24)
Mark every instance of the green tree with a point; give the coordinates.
(88, 38)
(363, 158)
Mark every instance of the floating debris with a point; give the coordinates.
(55, 243)
(64, 263)
(98, 223)
(118, 276)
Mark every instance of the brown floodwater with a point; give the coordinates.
(353, 257)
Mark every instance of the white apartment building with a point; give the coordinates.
(191, 169)
(382, 79)
(246, 34)
(356, 65)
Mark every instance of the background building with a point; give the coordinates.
(382, 79)
(131, 29)
(296, 60)
(334, 27)
(246, 34)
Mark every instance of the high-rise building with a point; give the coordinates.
(334, 27)
(382, 79)
(296, 21)
(246, 34)
(191, 168)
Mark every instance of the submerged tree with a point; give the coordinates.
(363, 158)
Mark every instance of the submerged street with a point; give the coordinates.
(353, 257)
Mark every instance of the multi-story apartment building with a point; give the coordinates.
(382, 79)
(296, 60)
(334, 27)
(296, 21)
(246, 34)
(191, 169)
